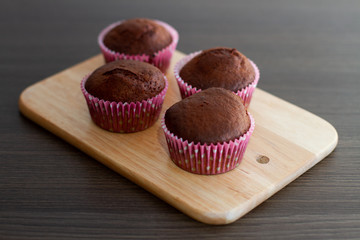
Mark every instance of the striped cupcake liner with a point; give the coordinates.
(207, 159)
(124, 117)
(187, 90)
(160, 59)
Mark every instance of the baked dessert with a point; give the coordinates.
(125, 81)
(211, 116)
(125, 95)
(207, 133)
(138, 36)
(140, 39)
(217, 67)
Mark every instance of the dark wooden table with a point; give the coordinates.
(308, 53)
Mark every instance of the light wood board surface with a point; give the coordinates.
(291, 138)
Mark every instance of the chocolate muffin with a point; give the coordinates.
(138, 36)
(210, 116)
(219, 67)
(125, 81)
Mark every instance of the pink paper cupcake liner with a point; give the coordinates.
(160, 59)
(123, 117)
(187, 90)
(207, 159)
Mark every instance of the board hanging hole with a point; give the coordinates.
(262, 159)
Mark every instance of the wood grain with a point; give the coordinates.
(308, 53)
(293, 139)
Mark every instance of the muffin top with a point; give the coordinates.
(138, 36)
(125, 81)
(210, 116)
(219, 67)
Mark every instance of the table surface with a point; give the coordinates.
(308, 53)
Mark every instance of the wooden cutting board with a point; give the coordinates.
(287, 141)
